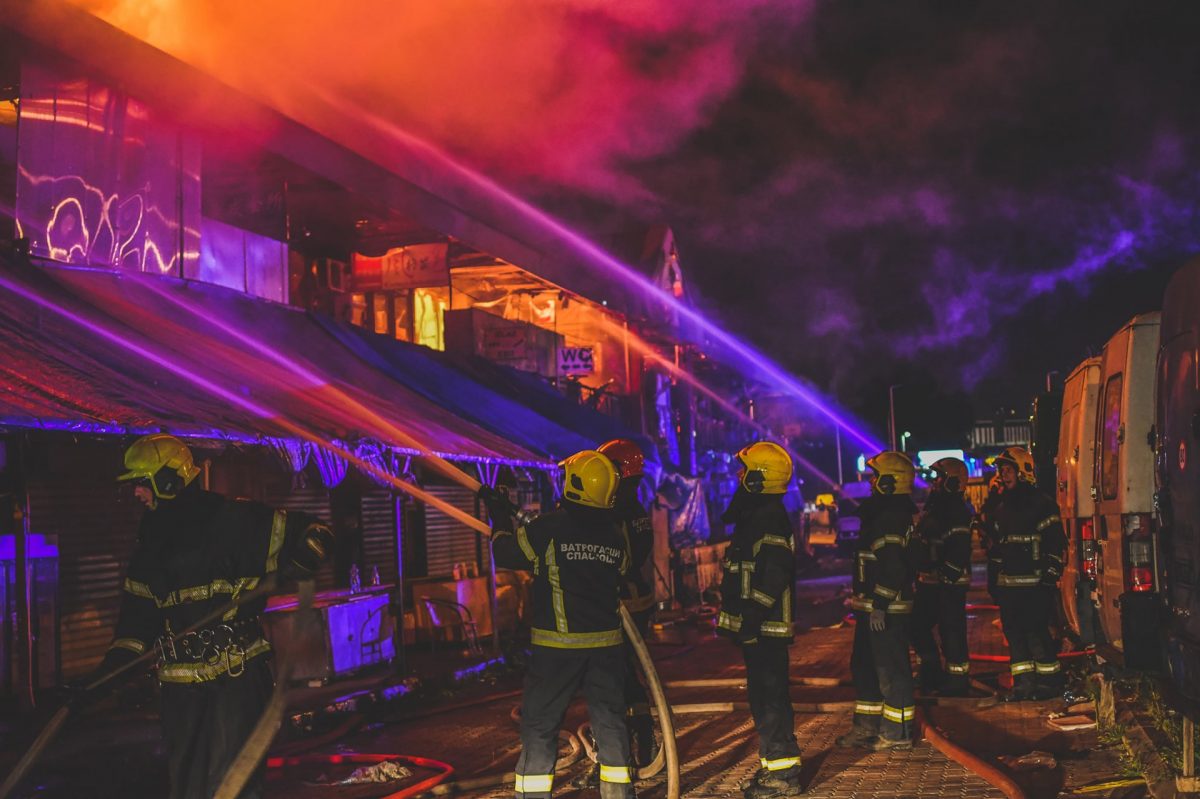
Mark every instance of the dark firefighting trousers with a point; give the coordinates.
(770, 703)
(205, 725)
(1025, 613)
(882, 674)
(637, 700)
(944, 607)
(553, 678)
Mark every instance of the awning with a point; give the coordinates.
(520, 406)
(122, 352)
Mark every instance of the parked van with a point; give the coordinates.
(1123, 489)
(1073, 488)
(1177, 428)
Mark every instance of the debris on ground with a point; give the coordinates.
(1031, 761)
(387, 771)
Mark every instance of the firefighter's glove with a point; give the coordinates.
(499, 507)
(878, 620)
(313, 549)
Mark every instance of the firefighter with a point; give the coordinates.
(941, 554)
(637, 592)
(981, 526)
(1030, 543)
(195, 551)
(882, 604)
(756, 610)
(577, 556)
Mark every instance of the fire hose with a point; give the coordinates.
(255, 747)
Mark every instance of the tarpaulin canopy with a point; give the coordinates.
(520, 406)
(125, 352)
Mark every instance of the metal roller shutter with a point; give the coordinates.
(448, 541)
(96, 529)
(379, 535)
(313, 500)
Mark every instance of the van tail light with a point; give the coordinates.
(1139, 552)
(1087, 538)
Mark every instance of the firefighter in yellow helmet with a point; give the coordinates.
(1030, 544)
(578, 557)
(756, 610)
(940, 551)
(196, 550)
(882, 603)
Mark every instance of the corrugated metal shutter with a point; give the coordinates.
(379, 535)
(448, 541)
(96, 529)
(313, 500)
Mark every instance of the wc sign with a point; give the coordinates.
(575, 361)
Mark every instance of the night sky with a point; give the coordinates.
(955, 196)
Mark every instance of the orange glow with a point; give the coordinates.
(563, 91)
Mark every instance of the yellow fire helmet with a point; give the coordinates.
(590, 479)
(950, 474)
(163, 461)
(766, 468)
(894, 473)
(1020, 459)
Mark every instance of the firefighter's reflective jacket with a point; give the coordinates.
(637, 592)
(1029, 538)
(883, 578)
(195, 553)
(578, 558)
(759, 571)
(940, 549)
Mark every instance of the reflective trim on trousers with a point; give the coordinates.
(899, 715)
(780, 764)
(868, 708)
(557, 640)
(1048, 668)
(616, 774)
(535, 783)
(959, 668)
(1024, 667)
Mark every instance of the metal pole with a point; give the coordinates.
(892, 415)
(837, 437)
(398, 601)
(24, 675)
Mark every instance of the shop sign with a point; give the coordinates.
(576, 361)
(414, 266)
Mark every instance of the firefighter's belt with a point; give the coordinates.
(865, 604)
(206, 654)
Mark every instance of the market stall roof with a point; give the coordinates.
(123, 352)
(521, 406)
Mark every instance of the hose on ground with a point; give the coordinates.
(973, 763)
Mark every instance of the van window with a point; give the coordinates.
(1111, 438)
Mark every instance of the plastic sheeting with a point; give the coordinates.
(687, 510)
(107, 352)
